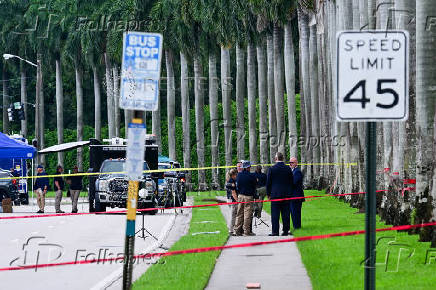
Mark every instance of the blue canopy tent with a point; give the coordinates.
(13, 154)
(13, 149)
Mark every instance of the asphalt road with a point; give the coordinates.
(67, 238)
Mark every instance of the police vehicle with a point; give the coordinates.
(171, 184)
(109, 186)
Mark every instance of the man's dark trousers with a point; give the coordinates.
(296, 213)
(280, 208)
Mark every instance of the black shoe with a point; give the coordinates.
(74, 211)
(284, 234)
(60, 211)
(273, 235)
(40, 211)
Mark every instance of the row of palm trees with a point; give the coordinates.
(266, 52)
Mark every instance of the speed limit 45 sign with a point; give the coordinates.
(372, 76)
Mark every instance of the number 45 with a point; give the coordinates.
(363, 100)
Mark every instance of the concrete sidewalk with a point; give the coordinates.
(276, 266)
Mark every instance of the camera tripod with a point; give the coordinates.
(171, 194)
(143, 230)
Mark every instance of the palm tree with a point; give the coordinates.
(303, 22)
(272, 118)
(425, 115)
(226, 86)
(73, 49)
(171, 104)
(290, 88)
(251, 93)
(214, 118)
(314, 100)
(92, 43)
(263, 102)
(184, 91)
(278, 86)
(240, 98)
(116, 96)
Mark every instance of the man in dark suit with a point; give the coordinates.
(279, 185)
(297, 192)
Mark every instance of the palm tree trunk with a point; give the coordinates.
(314, 101)
(59, 109)
(5, 100)
(290, 89)
(97, 103)
(406, 130)
(110, 96)
(79, 99)
(226, 85)
(156, 127)
(251, 93)
(171, 104)
(303, 22)
(240, 106)
(184, 91)
(24, 101)
(116, 96)
(425, 114)
(271, 99)
(199, 120)
(263, 103)
(278, 87)
(214, 118)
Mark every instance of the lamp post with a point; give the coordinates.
(39, 122)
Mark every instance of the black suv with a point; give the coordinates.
(8, 187)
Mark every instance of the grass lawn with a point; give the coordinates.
(335, 263)
(191, 271)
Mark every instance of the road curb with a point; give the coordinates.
(118, 274)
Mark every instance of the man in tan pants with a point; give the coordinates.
(246, 187)
(40, 187)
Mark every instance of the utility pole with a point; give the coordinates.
(23, 100)
(39, 107)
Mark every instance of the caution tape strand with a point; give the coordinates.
(218, 248)
(183, 207)
(165, 170)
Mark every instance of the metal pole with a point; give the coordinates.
(370, 249)
(132, 201)
(37, 107)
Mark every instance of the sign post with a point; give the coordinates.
(372, 85)
(142, 54)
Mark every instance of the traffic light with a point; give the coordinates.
(20, 113)
(11, 114)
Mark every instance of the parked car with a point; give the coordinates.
(8, 187)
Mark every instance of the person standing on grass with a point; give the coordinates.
(232, 196)
(279, 185)
(246, 188)
(40, 188)
(298, 191)
(58, 187)
(75, 183)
